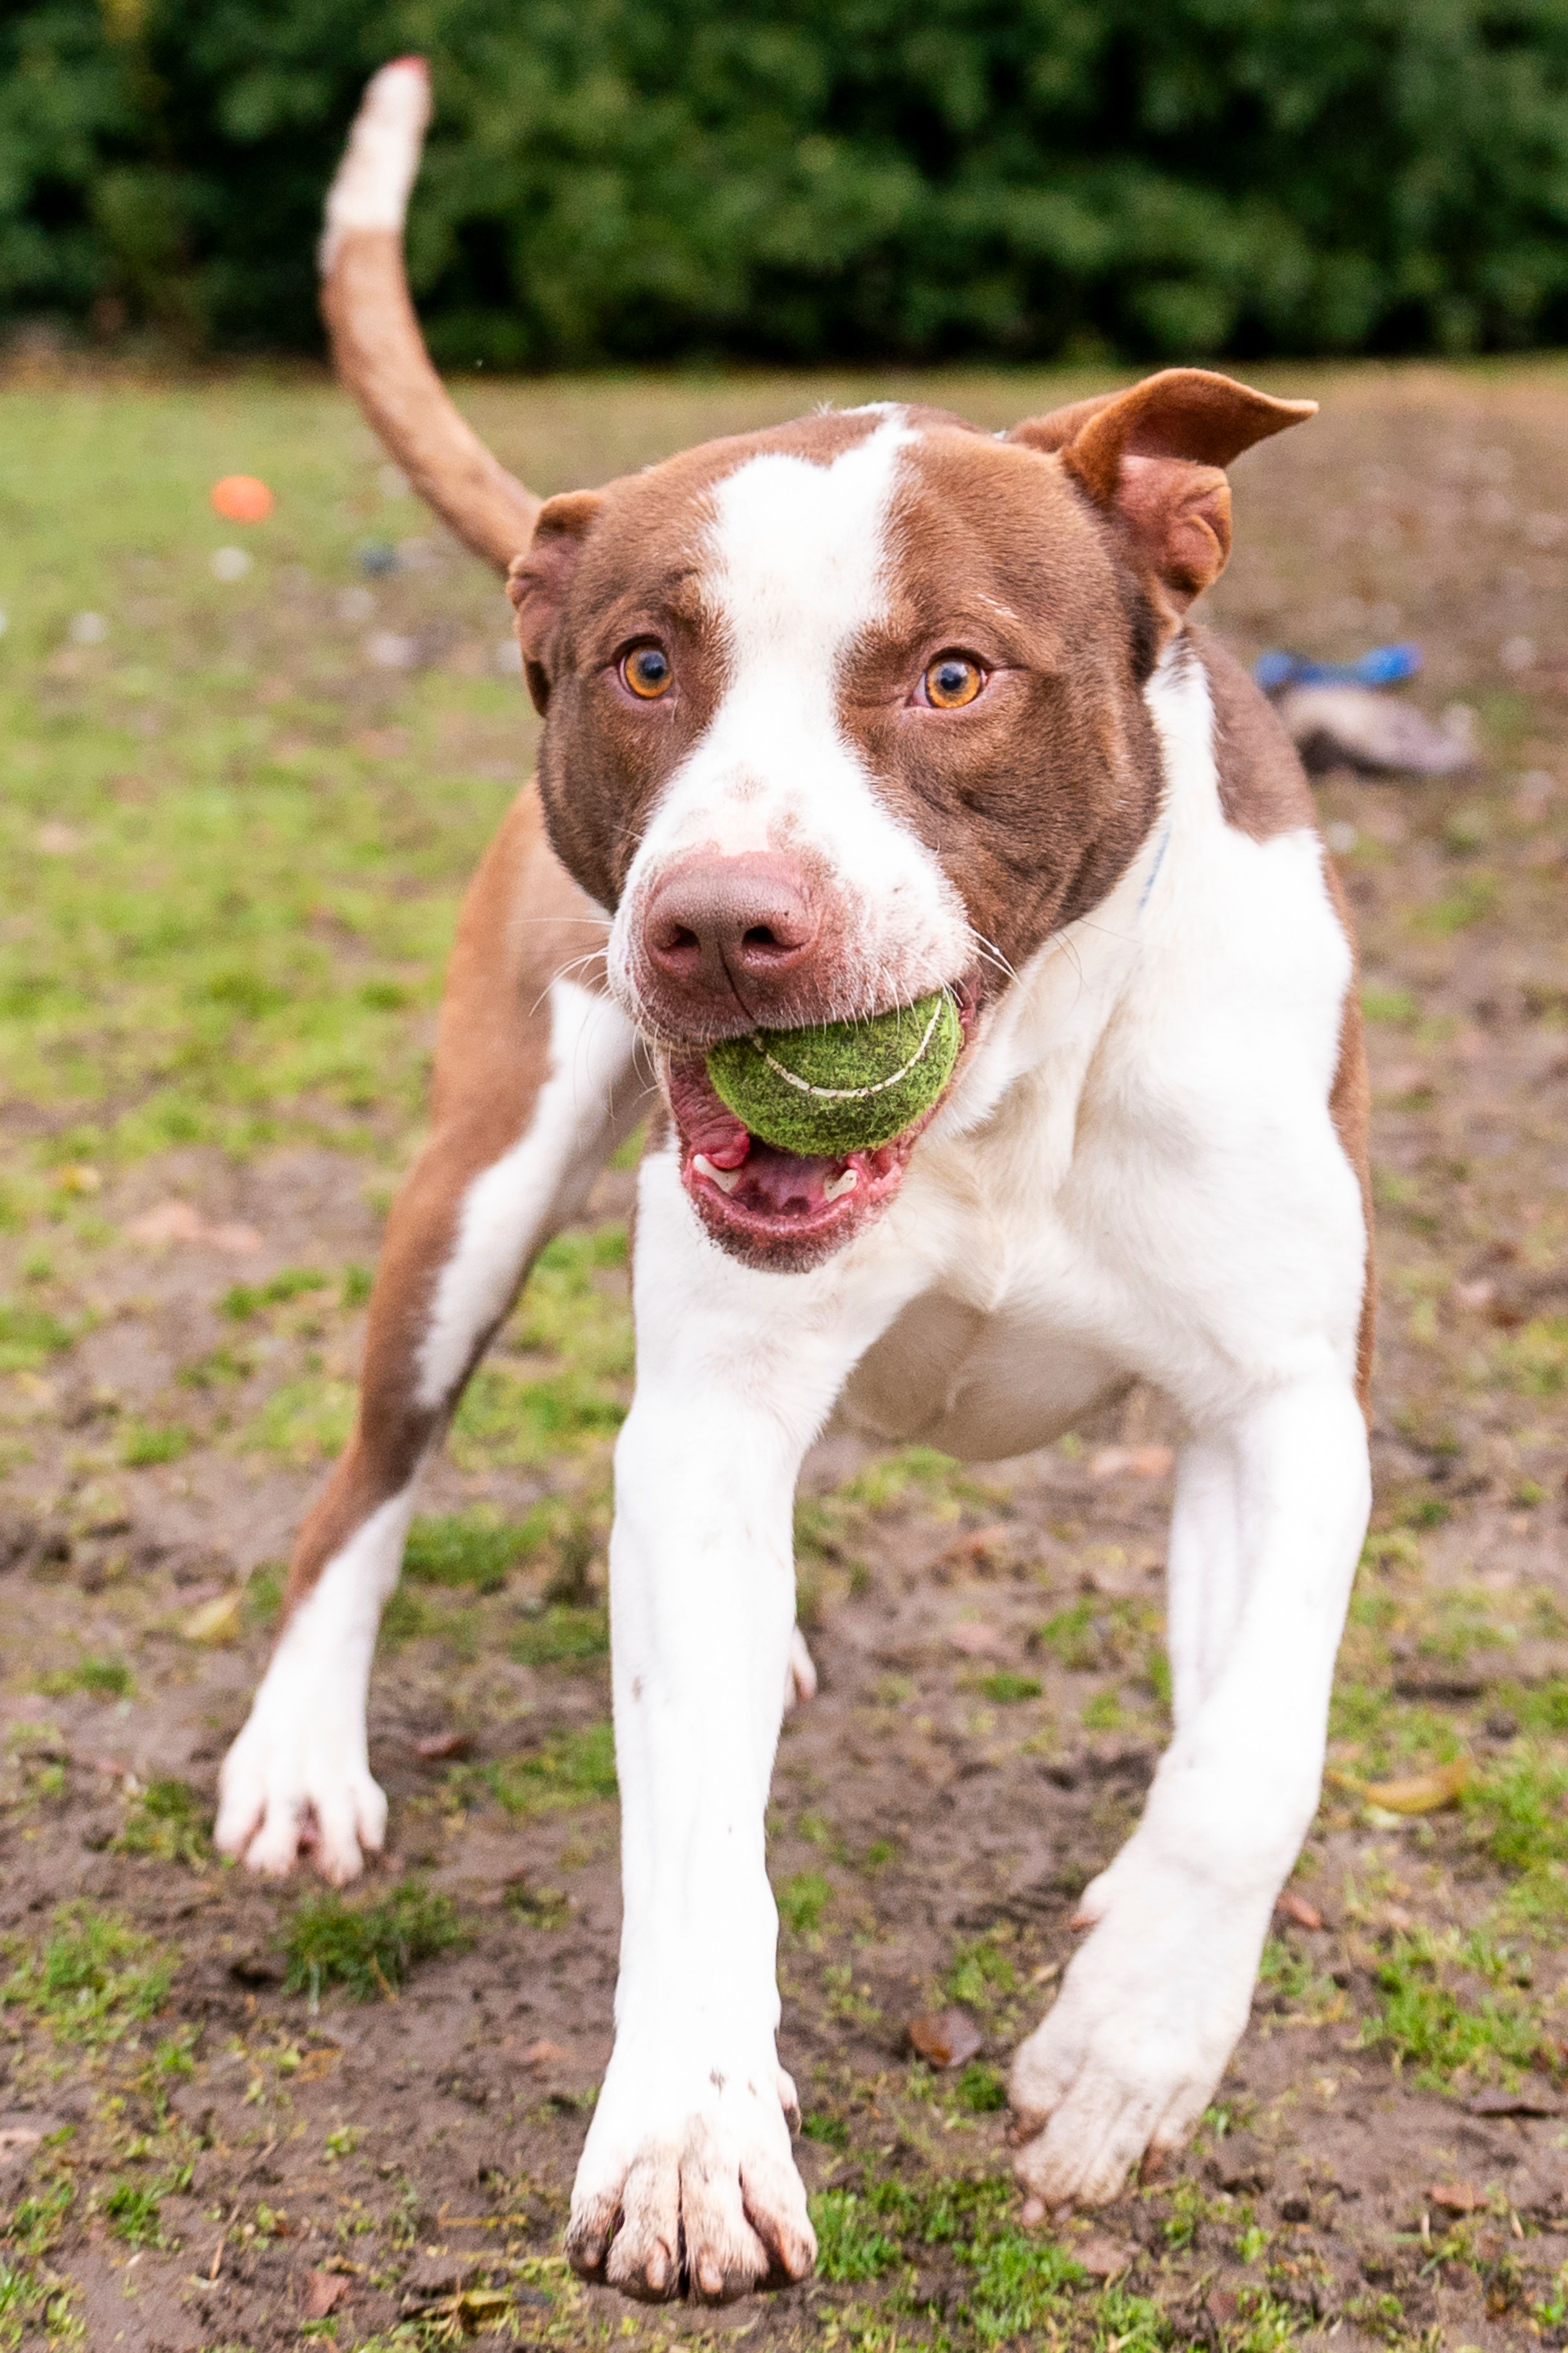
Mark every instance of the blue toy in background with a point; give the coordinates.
(1384, 665)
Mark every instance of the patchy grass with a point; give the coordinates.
(468, 1549)
(33, 2300)
(241, 942)
(368, 1948)
(561, 1636)
(1517, 1811)
(104, 1678)
(505, 1419)
(307, 1420)
(133, 2208)
(1288, 1981)
(911, 1475)
(170, 1823)
(802, 1901)
(93, 1977)
(1541, 1708)
(574, 1309)
(576, 1770)
(981, 2089)
(245, 1300)
(1447, 2004)
(541, 1907)
(1091, 1636)
(1003, 1689)
(568, 1309)
(29, 1337)
(851, 2243)
(981, 1974)
(1386, 1737)
(145, 1443)
(1012, 2282)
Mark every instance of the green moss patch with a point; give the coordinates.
(368, 1948)
(92, 1978)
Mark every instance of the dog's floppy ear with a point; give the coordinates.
(1154, 457)
(538, 582)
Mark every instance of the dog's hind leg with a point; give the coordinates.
(536, 1080)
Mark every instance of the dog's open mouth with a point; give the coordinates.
(782, 1209)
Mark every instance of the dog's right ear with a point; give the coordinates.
(1152, 458)
(539, 582)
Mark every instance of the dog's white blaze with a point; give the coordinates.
(798, 555)
(536, 1185)
(381, 162)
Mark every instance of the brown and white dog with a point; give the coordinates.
(835, 715)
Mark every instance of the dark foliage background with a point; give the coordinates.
(802, 179)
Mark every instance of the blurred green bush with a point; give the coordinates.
(621, 180)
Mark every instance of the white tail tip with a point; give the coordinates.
(381, 159)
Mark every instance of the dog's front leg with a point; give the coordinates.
(1269, 1518)
(687, 2182)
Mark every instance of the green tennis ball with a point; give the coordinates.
(839, 1086)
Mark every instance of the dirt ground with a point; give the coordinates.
(203, 2146)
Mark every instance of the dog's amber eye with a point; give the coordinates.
(647, 671)
(952, 680)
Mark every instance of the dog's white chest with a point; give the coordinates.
(1159, 1190)
(1014, 1338)
(977, 1385)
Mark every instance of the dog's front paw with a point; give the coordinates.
(1150, 2011)
(297, 1780)
(687, 2185)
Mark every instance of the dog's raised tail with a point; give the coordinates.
(377, 347)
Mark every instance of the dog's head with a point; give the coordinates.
(835, 714)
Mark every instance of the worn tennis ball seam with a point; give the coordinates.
(798, 1111)
(849, 1094)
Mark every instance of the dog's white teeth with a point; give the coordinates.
(725, 1179)
(840, 1185)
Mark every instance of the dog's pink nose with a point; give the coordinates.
(728, 927)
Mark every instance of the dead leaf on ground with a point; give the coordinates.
(1296, 1907)
(541, 2054)
(974, 1641)
(1103, 2259)
(944, 2038)
(181, 1222)
(436, 1747)
(974, 1547)
(317, 2063)
(1424, 1793)
(324, 2291)
(1456, 2196)
(1131, 1462)
(217, 1620)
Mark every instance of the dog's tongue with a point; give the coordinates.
(756, 1177)
(706, 1123)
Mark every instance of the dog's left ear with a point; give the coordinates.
(539, 582)
(1154, 457)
